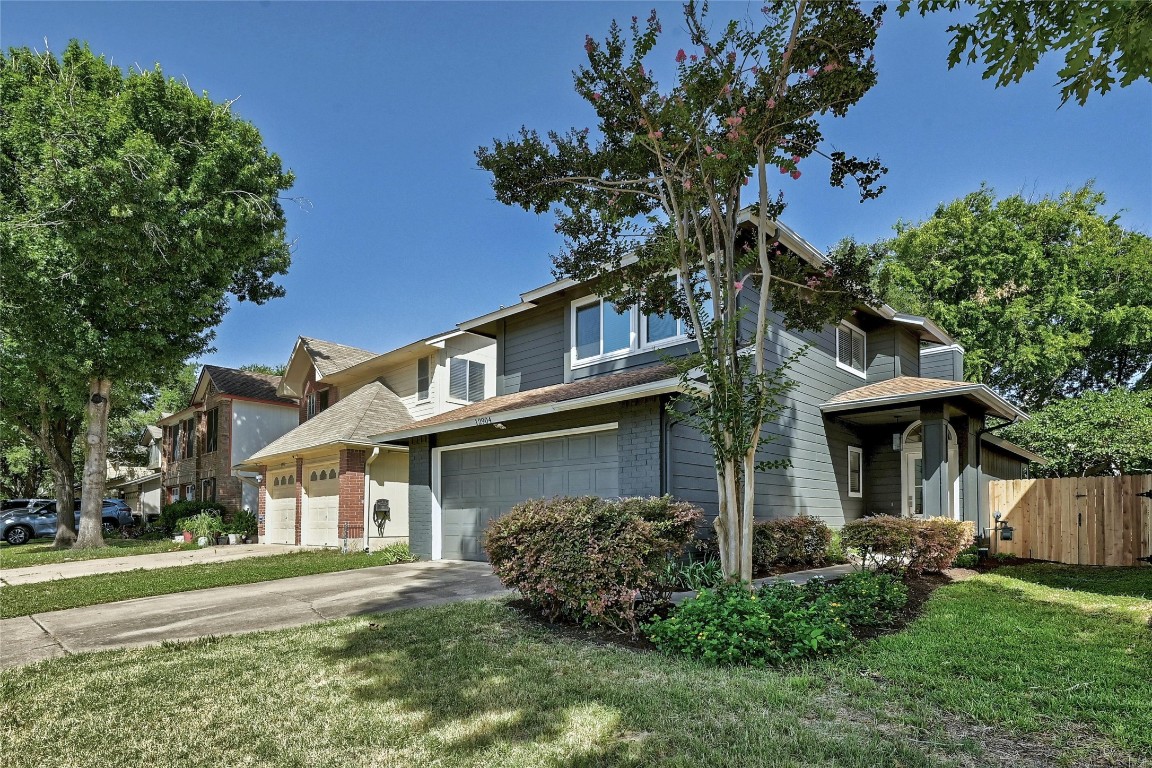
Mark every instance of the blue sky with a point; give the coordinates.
(378, 108)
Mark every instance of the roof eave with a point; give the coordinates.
(605, 398)
(998, 405)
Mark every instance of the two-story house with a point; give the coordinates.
(141, 487)
(582, 408)
(325, 483)
(231, 415)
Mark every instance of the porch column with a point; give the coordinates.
(970, 468)
(937, 492)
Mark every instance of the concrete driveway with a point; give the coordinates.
(242, 608)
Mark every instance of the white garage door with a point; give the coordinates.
(280, 508)
(321, 511)
(480, 484)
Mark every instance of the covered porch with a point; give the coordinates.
(923, 444)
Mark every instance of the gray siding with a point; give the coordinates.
(639, 439)
(908, 349)
(420, 497)
(998, 465)
(944, 363)
(882, 354)
(882, 478)
(532, 347)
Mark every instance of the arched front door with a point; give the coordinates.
(912, 472)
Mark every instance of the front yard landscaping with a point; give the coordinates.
(41, 553)
(27, 599)
(1011, 668)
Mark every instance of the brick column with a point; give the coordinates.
(299, 496)
(351, 491)
(262, 502)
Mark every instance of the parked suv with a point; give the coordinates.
(19, 526)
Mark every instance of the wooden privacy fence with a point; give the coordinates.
(1077, 520)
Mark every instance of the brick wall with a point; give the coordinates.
(638, 440)
(262, 503)
(351, 490)
(299, 496)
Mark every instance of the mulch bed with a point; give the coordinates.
(920, 588)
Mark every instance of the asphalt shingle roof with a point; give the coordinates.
(368, 411)
(899, 387)
(557, 393)
(254, 386)
(330, 357)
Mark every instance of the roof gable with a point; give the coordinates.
(232, 382)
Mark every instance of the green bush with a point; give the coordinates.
(397, 552)
(691, 576)
(731, 625)
(900, 544)
(203, 524)
(868, 599)
(244, 523)
(793, 542)
(588, 559)
(966, 560)
(173, 513)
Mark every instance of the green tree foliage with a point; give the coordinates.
(135, 408)
(1097, 433)
(270, 370)
(1102, 40)
(656, 191)
(132, 208)
(1049, 297)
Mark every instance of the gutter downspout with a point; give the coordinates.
(368, 494)
(980, 462)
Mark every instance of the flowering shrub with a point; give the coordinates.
(589, 559)
(795, 541)
(901, 544)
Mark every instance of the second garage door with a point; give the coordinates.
(280, 509)
(479, 484)
(318, 519)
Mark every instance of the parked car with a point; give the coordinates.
(21, 525)
(9, 505)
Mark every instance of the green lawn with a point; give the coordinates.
(1043, 675)
(26, 599)
(40, 551)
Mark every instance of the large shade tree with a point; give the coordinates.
(654, 204)
(1105, 42)
(132, 209)
(1050, 297)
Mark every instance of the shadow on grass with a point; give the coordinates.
(1098, 579)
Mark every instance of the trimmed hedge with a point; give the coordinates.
(588, 559)
(904, 544)
(171, 515)
(794, 541)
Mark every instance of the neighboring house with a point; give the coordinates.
(325, 483)
(232, 414)
(581, 408)
(141, 487)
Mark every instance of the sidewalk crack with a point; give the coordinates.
(55, 640)
(308, 603)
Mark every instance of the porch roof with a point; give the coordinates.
(906, 390)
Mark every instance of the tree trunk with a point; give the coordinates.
(95, 466)
(747, 515)
(64, 480)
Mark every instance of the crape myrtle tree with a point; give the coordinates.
(651, 209)
(131, 209)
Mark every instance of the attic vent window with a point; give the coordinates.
(313, 476)
(851, 349)
(423, 378)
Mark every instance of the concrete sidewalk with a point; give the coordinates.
(796, 577)
(242, 608)
(34, 574)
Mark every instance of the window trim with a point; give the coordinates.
(862, 373)
(637, 334)
(859, 453)
(425, 394)
(468, 363)
(212, 430)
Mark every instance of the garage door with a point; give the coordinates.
(280, 509)
(321, 511)
(480, 484)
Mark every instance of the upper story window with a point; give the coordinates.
(317, 402)
(599, 332)
(851, 349)
(423, 378)
(465, 380)
(212, 430)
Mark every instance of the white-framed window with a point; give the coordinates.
(851, 349)
(190, 492)
(317, 402)
(465, 380)
(855, 472)
(600, 333)
(423, 378)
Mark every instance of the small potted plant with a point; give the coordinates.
(244, 526)
(203, 527)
